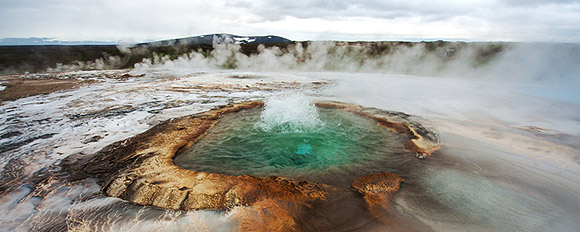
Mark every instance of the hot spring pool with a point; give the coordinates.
(286, 149)
(247, 142)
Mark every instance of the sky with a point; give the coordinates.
(348, 20)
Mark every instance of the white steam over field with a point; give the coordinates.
(510, 129)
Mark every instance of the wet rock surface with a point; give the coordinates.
(376, 187)
(377, 183)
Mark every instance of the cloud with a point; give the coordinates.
(512, 20)
(390, 9)
(239, 4)
(536, 3)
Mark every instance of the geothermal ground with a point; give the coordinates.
(509, 158)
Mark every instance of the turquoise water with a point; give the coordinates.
(341, 143)
(561, 93)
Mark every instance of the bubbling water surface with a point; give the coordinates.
(289, 113)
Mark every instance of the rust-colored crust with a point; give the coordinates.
(377, 187)
(377, 183)
(141, 169)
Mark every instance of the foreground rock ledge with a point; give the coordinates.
(141, 169)
(377, 183)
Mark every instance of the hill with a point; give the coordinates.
(219, 38)
(40, 56)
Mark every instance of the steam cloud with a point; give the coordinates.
(109, 62)
(498, 61)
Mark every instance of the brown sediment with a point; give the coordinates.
(141, 169)
(377, 183)
(27, 85)
(375, 187)
(25, 88)
(266, 215)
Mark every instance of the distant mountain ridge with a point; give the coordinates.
(218, 38)
(20, 55)
(48, 41)
(194, 40)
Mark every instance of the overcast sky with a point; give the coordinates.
(140, 20)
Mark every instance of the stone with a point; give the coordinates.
(377, 183)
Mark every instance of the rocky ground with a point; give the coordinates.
(27, 85)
